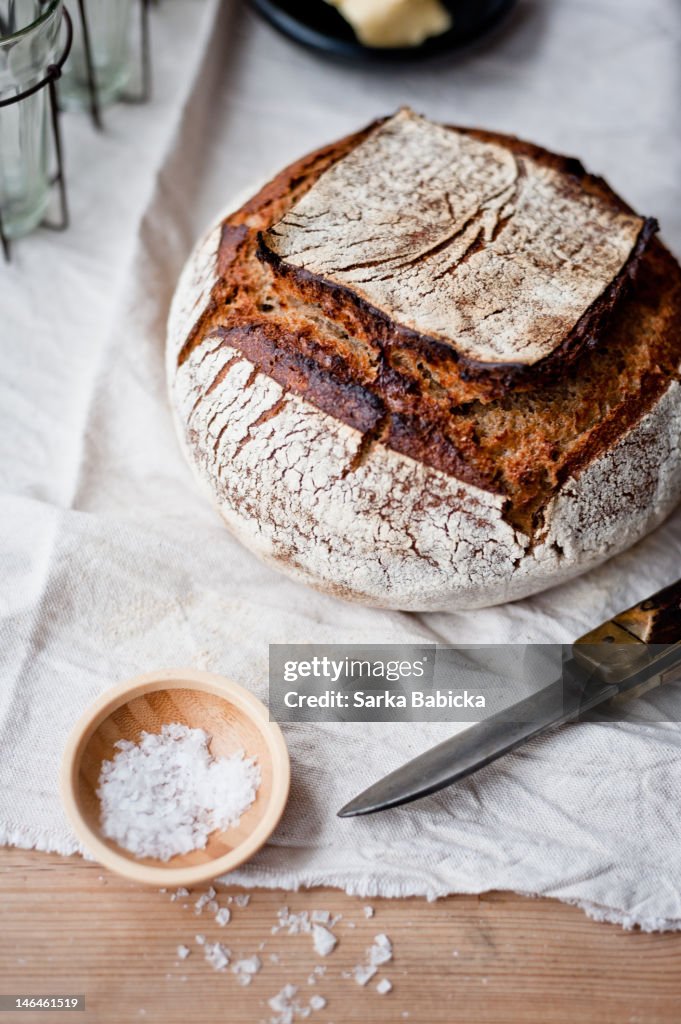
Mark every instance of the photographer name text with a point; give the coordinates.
(386, 699)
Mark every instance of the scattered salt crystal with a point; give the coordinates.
(368, 911)
(212, 906)
(381, 951)
(216, 955)
(294, 923)
(242, 899)
(274, 957)
(324, 941)
(201, 939)
(320, 916)
(284, 999)
(222, 917)
(204, 899)
(363, 973)
(244, 979)
(165, 795)
(183, 952)
(247, 968)
(335, 919)
(384, 986)
(317, 1003)
(179, 894)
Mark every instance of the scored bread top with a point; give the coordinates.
(505, 258)
(520, 438)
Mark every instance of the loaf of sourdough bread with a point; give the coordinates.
(432, 368)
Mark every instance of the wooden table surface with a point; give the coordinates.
(67, 927)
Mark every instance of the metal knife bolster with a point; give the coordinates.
(637, 649)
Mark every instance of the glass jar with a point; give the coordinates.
(108, 25)
(29, 41)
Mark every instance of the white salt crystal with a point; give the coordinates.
(212, 906)
(216, 955)
(165, 795)
(249, 965)
(222, 917)
(324, 941)
(320, 916)
(384, 986)
(381, 951)
(317, 1003)
(242, 899)
(363, 973)
(183, 952)
(201, 939)
(179, 894)
(294, 923)
(368, 912)
(283, 999)
(204, 900)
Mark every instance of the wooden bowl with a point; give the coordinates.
(234, 718)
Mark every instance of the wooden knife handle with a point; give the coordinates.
(635, 638)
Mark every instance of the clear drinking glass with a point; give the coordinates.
(109, 30)
(29, 41)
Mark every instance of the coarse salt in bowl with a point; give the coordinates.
(223, 728)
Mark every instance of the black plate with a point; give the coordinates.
(317, 24)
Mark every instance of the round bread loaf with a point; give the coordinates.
(339, 390)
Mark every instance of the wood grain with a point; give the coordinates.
(70, 928)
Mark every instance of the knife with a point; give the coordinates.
(629, 654)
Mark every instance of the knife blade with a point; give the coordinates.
(630, 653)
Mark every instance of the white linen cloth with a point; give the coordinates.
(112, 563)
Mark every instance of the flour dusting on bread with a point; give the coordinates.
(497, 254)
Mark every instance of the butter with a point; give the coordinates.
(394, 23)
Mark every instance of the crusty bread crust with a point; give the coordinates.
(349, 480)
(504, 260)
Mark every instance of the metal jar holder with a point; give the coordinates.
(52, 74)
(145, 52)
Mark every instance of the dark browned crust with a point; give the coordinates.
(315, 288)
(521, 441)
